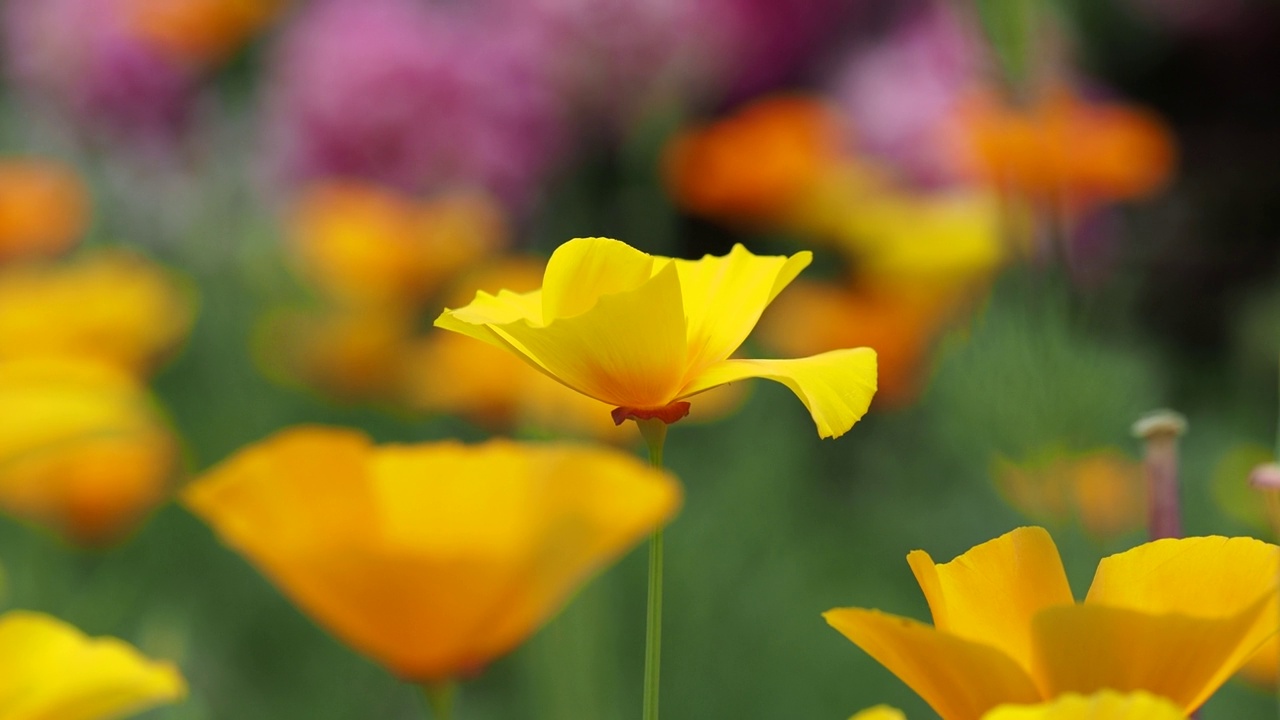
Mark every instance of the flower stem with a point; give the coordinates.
(655, 435)
(1160, 431)
(440, 698)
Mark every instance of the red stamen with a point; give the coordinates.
(667, 414)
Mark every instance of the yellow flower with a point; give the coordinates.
(432, 559)
(367, 245)
(112, 306)
(48, 669)
(44, 208)
(82, 448)
(1174, 618)
(643, 333)
(1104, 705)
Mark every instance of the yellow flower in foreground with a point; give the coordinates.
(82, 448)
(1105, 705)
(433, 559)
(1174, 618)
(49, 670)
(644, 333)
(113, 306)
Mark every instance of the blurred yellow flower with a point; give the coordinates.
(1104, 489)
(1104, 705)
(202, 32)
(433, 559)
(643, 333)
(112, 306)
(44, 208)
(363, 244)
(49, 670)
(349, 353)
(82, 448)
(1173, 617)
(1065, 149)
(754, 164)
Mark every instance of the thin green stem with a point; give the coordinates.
(655, 436)
(441, 697)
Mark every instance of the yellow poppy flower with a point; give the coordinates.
(112, 306)
(644, 333)
(1105, 705)
(49, 669)
(82, 448)
(1173, 617)
(432, 559)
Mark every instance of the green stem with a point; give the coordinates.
(440, 698)
(655, 435)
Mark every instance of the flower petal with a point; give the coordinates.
(835, 386)
(1198, 576)
(724, 297)
(1086, 648)
(583, 270)
(629, 349)
(960, 679)
(880, 712)
(990, 593)
(49, 669)
(1105, 705)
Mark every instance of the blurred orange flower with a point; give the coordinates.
(202, 32)
(900, 322)
(1104, 489)
(49, 670)
(433, 559)
(113, 306)
(1173, 618)
(755, 163)
(363, 244)
(1066, 149)
(44, 208)
(83, 449)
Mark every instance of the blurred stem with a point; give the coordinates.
(440, 698)
(655, 436)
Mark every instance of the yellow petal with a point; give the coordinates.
(724, 297)
(880, 712)
(82, 448)
(959, 679)
(583, 270)
(1105, 705)
(433, 559)
(990, 593)
(48, 669)
(1087, 648)
(1198, 576)
(628, 350)
(835, 386)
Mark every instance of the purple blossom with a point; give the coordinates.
(80, 57)
(901, 93)
(418, 97)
